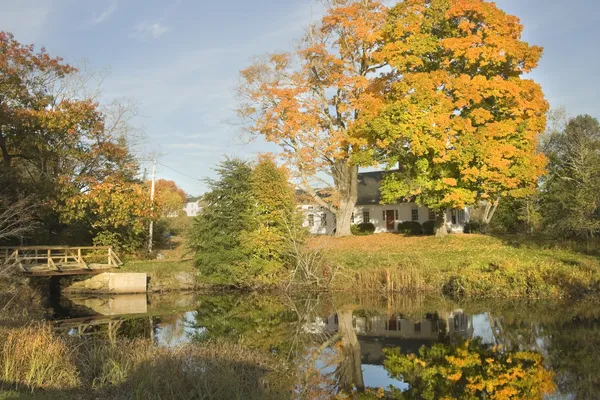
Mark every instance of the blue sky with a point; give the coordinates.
(179, 61)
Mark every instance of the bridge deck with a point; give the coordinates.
(59, 260)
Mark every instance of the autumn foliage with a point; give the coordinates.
(62, 150)
(459, 117)
(434, 86)
(310, 101)
(169, 198)
(471, 370)
(117, 213)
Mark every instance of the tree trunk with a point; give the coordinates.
(490, 210)
(441, 223)
(349, 371)
(6, 158)
(346, 182)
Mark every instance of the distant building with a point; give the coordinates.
(193, 206)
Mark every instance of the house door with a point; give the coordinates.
(389, 220)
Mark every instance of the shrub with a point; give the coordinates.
(364, 229)
(472, 227)
(180, 225)
(429, 227)
(410, 228)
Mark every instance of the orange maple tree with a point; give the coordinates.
(310, 102)
(460, 119)
(56, 144)
(169, 198)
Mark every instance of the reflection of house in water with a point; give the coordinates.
(378, 332)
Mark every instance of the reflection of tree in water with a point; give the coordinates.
(574, 351)
(256, 321)
(470, 370)
(172, 327)
(349, 371)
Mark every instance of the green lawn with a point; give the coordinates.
(159, 267)
(462, 265)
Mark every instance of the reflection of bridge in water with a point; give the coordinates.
(109, 314)
(101, 311)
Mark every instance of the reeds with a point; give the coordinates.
(37, 361)
(33, 357)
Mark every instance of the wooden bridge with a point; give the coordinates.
(59, 260)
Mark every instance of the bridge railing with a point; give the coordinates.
(59, 257)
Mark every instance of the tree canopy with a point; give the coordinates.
(169, 198)
(63, 151)
(571, 192)
(459, 118)
(239, 238)
(309, 102)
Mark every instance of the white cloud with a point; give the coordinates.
(147, 29)
(105, 14)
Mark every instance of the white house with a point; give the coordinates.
(385, 217)
(192, 207)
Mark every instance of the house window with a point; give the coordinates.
(431, 215)
(415, 214)
(397, 215)
(461, 216)
(311, 220)
(323, 219)
(366, 217)
(418, 327)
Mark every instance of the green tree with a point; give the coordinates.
(240, 237)
(217, 233)
(274, 218)
(571, 192)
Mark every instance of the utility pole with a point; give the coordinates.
(152, 203)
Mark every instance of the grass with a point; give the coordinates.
(175, 272)
(159, 268)
(166, 275)
(461, 266)
(36, 363)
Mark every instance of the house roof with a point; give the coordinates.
(367, 189)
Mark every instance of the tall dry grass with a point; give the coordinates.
(36, 361)
(466, 266)
(34, 358)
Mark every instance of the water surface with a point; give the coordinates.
(351, 340)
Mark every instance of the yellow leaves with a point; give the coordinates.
(455, 376)
(466, 108)
(450, 181)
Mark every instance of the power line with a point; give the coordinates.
(179, 172)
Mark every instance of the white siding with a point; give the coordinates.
(318, 227)
(192, 209)
(376, 217)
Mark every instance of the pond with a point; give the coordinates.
(411, 347)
